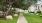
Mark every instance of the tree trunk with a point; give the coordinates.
(10, 5)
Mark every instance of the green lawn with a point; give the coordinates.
(33, 18)
(9, 21)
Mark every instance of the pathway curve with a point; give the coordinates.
(22, 19)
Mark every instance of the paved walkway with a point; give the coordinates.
(22, 19)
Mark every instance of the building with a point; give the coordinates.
(32, 8)
(39, 5)
(36, 7)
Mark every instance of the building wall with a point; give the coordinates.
(39, 4)
(32, 8)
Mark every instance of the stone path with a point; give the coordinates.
(22, 19)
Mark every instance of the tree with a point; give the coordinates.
(23, 4)
(15, 3)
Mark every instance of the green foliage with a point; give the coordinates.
(17, 3)
(23, 6)
(12, 11)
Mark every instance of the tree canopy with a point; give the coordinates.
(6, 5)
(23, 4)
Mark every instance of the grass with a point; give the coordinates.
(33, 18)
(15, 18)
